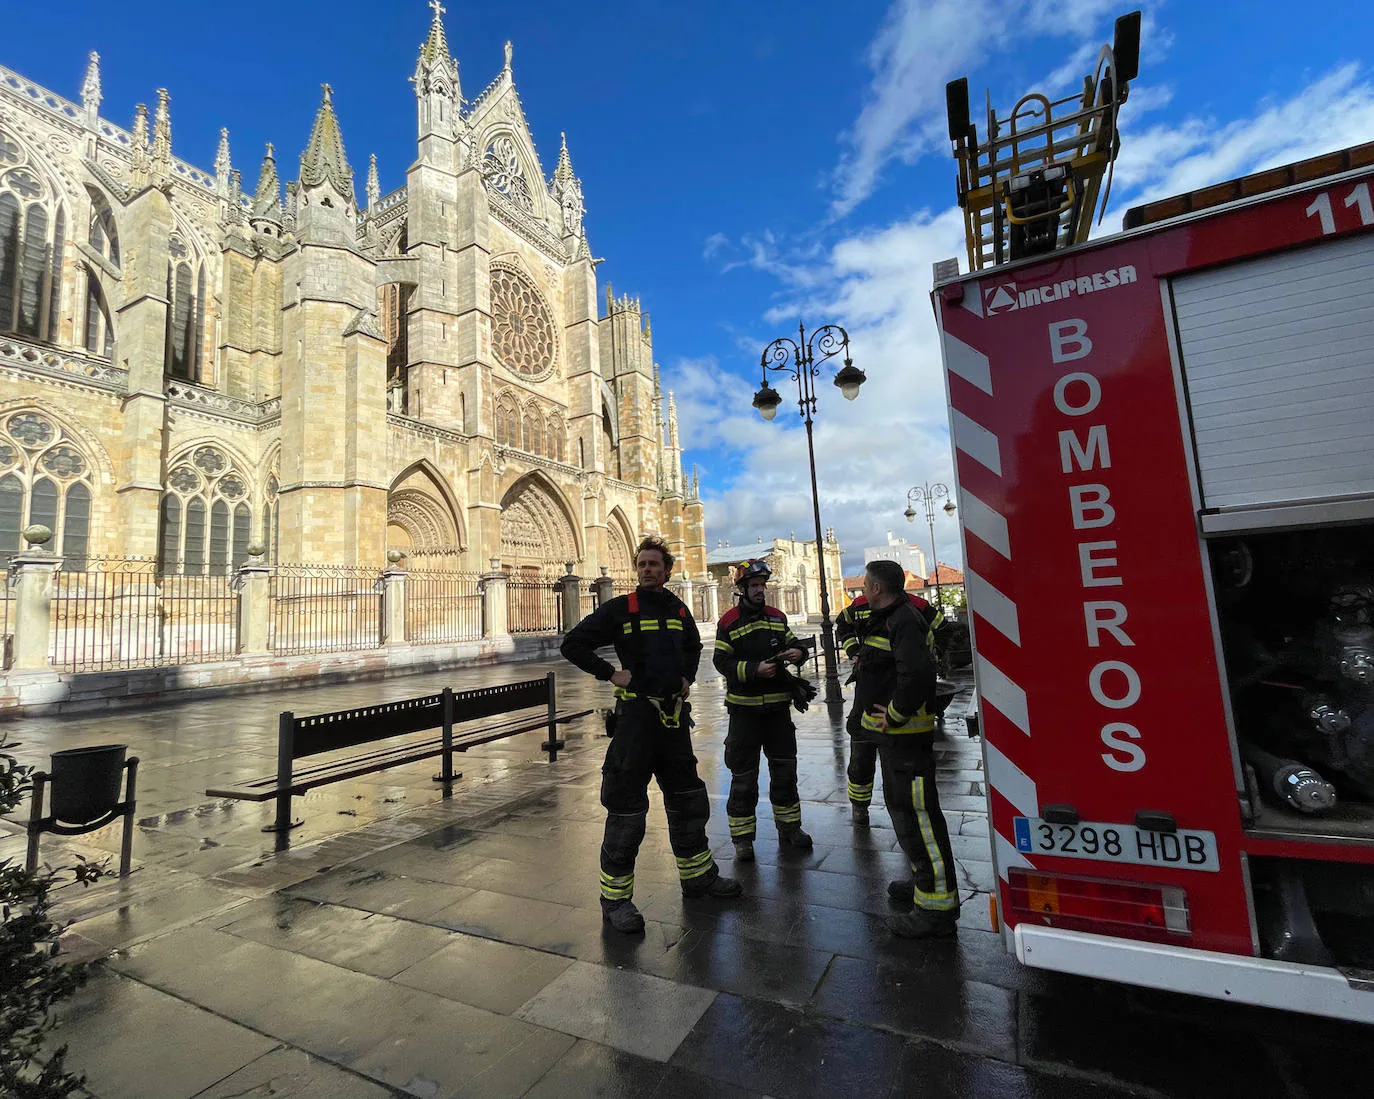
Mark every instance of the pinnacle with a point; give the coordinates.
(267, 200)
(324, 157)
(435, 47)
(563, 173)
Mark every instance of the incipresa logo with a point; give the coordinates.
(1006, 296)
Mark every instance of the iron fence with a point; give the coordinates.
(129, 612)
(443, 606)
(319, 608)
(6, 631)
(587, 601)
(701, 603)
(623, 585)
(533, 604)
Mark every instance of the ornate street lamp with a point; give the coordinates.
(926, 495)
(800, 359)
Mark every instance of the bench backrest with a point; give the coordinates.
(316, 733)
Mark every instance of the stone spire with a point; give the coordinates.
(567, 190)
(672, 422)
(267, 209)
(161, 156)
(222, 162)
(436, 45)
(374, 186)
(438, 92)
(139, 151)
(90, 91)
(673, 461)
(323, 160)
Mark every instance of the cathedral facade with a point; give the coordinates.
(189, 366)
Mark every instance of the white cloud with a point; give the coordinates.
(1332, 112)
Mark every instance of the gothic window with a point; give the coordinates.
(104, 238)
(270, 512)
(504, 174)
(185, 313)
(522, 328)
(46, 479)
(554, 440)
(31, 240)
(393, 305)
(532, 432)
(507, 421)
(206, 520)
(612, 452)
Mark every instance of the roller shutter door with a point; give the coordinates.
(1278, 361)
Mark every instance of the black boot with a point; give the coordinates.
(744, 850)
(858, 815)
(795, 837)
(924, 924)
(718, 886)
(623, 916)
(903, 891)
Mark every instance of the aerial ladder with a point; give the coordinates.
(1044, 172)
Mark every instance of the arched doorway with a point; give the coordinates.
(422, 520)
(536, 531)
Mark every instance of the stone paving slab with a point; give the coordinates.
(406, 943)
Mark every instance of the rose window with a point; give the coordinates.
(184, 479)
(522, 328)
(210, 461)
(33, 431)
(504, 174)
(63, 461)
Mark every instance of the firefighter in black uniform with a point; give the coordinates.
(863, 755)
(753, 643)
(656, 641)
(893, 702)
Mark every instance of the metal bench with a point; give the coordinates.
(314, 734)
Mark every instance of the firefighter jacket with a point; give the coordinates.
(896, 671)
(745, 638)
(655, 637)
(850, 625)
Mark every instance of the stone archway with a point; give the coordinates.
(536, 532)
(421, 520)
(619, 545)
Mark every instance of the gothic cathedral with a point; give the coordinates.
(188, 368)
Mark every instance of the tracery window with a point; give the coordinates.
(270, 523)
(555, 438)
(45, 478)
(206, 521)
(104, 239)
(185, 312)
(505, 174)
(507, 421)
(31, 240)
(522, 328)
(532, 432)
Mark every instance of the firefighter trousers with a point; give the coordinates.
(908, 763)
(863, 764)
(641, 748)
(770, 730)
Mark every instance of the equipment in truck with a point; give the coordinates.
(1166, 494)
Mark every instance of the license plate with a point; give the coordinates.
(1182, 850)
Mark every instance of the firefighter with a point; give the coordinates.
(659, 649)
(753, 643)
(893, 702)
(863, 755)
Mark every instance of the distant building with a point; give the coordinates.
(951, 586)
(795, 587)
(906, 554)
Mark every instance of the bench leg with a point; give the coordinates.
(126, 845)
(283, 823)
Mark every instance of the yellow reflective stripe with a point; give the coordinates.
(788, 814)
(742, 670)
(743, 826)
(869, 722)
(764, 624)
(651, 624)
(617, 888)
(849, 644)
(723, 646)
(756, 700)
(878, 643)
(861, 791)
(693, 866)
(894, 715)
(621, 692)
(939, 899)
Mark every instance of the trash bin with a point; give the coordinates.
(86, 781)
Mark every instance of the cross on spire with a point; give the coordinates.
(439, 9)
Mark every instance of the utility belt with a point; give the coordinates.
(674, 711)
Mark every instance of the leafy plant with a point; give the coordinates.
(32, 979)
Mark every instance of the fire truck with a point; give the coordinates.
(1164, 451)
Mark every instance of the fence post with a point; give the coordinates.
(253, 580)
(570, 591)
(394, 601)
(604, 587)
(31, 573)
(685, 594)
(713, 601)
(494, 622)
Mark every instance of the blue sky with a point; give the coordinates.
(747, 165)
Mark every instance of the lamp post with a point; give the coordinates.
(800, 358)
(926, 495)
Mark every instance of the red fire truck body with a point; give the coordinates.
(1118, 410)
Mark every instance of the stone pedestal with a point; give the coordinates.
(713, 601)
(253, 581)
(684, 592)
(604, 587)
(394, 607)
(31, 572)
(494, 621)
(570, 592)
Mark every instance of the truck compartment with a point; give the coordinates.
(1296, 614)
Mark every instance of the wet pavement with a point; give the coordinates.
(408, 944)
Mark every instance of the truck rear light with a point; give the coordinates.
(1129, 909)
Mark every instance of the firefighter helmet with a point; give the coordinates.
(747, 570)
